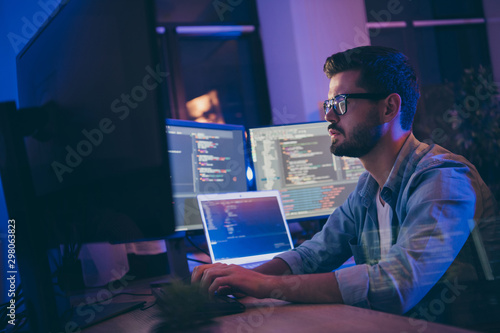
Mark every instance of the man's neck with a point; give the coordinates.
(380, 160)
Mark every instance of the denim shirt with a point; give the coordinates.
(436, 197)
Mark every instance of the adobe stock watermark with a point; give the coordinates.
(437, 306)
(282, 116)
(94, 137)
(361, 37)
(88, 309)
(223, 6)
(48, 8)
(253, 320)
(459, 112)
(233, 169)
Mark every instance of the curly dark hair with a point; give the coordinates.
(383, 70)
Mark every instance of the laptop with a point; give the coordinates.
(244, 228)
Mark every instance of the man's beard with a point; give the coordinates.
(362, 140)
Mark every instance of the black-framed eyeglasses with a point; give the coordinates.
(339, 102)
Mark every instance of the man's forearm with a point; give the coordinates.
(308, 288)
(274, 267)
(275, 282)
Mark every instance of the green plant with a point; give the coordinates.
(181, 307)
(476, 124)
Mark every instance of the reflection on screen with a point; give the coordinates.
(204, 158)
(296, 160)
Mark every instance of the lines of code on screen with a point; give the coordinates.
(238, 229)
(296, 160)
(203, 161)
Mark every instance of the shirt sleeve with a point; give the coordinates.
(438, 213)
(329, 248)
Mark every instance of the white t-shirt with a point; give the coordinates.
(384, 214)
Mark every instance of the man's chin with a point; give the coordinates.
(340, 151)
(334, 149)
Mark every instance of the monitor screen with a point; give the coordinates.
(205, 158)
(296, 160)
(98, 161)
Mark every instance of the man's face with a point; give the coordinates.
(356, 132)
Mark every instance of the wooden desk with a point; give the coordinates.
(278, 316)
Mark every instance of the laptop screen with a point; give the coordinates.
(244, 227)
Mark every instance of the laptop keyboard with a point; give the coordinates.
(252, 264)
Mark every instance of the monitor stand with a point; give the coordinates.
(177, 258)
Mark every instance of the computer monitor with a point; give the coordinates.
(94, 166)
(99, 163)
(205, 158)
(296, 160)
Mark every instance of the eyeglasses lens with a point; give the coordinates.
(341, 104)
(338, 104)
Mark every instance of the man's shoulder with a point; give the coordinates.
(436, 156)
(420, 163)
(447, 172)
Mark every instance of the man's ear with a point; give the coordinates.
(392, 107)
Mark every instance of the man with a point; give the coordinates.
(405, 223)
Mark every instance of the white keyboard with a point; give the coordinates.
(252, 265)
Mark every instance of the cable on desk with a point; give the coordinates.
(133, 294)
(70, 312)
(196, 246)
(149, 307)
(199, 261)
(115, 295)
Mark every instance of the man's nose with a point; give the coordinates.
(331, 117)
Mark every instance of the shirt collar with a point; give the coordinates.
(405, 162)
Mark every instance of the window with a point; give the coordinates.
(212, 51)
(447, 43)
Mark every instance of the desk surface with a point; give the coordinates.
(278, 316)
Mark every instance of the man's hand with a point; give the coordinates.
(231, 279)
